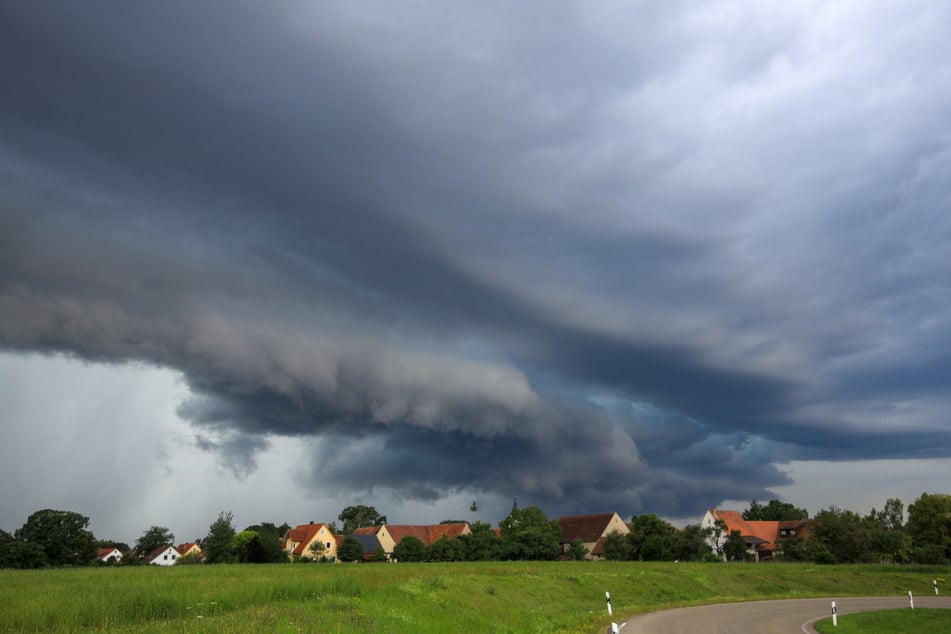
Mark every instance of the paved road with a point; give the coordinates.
(790, 616)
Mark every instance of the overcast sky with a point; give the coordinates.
(644, 257)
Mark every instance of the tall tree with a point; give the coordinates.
(153, 538)
(528, 534)
(482, 544)
(653, 539)
(219, 543)
(63, 536)
(354, 517)
(929, 526)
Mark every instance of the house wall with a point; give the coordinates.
(325, 537)
(386, 541)
(167, 558)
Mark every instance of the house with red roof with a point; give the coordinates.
(113, 553)
(299, 541)
(762, 538)
(162, 556)
(591, 530)
(190, 549)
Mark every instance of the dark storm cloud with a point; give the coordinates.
(624, 256)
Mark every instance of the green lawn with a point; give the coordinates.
(903, 621)
(396, 598)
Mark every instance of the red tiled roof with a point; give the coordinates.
(767, 531)
(587, 528)
(155, 553)
(427, 534)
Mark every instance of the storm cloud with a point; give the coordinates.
(598, 257)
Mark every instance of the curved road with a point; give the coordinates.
(788, 616)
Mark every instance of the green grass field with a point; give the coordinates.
(902, 621)
(395, 598)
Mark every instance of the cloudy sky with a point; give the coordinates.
(282, 257)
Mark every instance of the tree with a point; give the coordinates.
(527, 534)
(354, 517)
(446, 549)
(774, 511)
(62, 535)
(152, 539)
(653, 539)
(577, 550)
(694, 543)
(219, 543)
(735, 547)
(616, 547)
(482, 544)
(410, 549)
(268, 547)
(929, 526)
(317, 550)
(843, 533)
(350, 550)
(19, 554)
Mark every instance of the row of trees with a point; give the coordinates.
(63, 538)
(840, 536)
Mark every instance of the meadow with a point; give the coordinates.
(889, 622)
(500, 597)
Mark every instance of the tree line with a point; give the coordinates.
(62, 538)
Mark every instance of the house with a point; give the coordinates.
(590, 530)
(113, 553)
(762, 538)
(162, 556)
(389, 535)
(190, 549)
(299, 541)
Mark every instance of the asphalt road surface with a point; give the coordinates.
(790, 616)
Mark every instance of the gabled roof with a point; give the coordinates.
(302, 535)
(587, 528)
(427, 534)
(158, 551)
(369, 542)
(762, 534)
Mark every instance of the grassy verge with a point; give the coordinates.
(459, 597)
(889, 622)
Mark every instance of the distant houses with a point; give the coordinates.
(763, 539)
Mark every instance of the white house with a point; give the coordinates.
(163, 556)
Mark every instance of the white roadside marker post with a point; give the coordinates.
(835, 617)
(935, 582)
(607, 597)
(911, 600)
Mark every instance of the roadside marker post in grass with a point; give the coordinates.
(607, 597)
(911, 600)
(835, 617)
